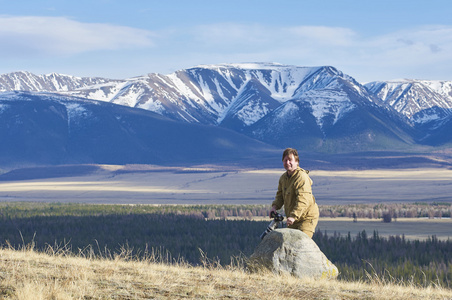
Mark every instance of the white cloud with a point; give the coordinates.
(411, 53)
(44, 36)
(418, 52)
(321, 35)
(257, 35)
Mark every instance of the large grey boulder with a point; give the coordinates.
(291, 251)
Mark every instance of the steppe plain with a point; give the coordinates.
(148, 184)
(215, 185)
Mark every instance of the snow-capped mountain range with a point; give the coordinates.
(206, 94)
(421, 101)
(211, 94)
(316, 108)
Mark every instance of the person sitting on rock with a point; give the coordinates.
(295, 194)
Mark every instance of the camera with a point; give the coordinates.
(277, 218)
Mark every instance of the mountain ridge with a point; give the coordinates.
(188, 86)
(317, 109)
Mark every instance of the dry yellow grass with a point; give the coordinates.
(26, 274)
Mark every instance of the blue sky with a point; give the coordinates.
(368, 40)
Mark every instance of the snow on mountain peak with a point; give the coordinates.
(243, 66)
(328, 102)
(421, 101)
(252, 112)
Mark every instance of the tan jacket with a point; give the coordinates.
(295, 193)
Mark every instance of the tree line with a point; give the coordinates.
(394, 210)
(182, 236)
(370, 211)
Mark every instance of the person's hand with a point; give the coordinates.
(290, 221)
(272, 210)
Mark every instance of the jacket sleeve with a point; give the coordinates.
(279, 201)
(303, 199)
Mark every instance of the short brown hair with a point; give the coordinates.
(290, 151)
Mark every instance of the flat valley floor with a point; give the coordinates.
(154, 185)
(117, 184)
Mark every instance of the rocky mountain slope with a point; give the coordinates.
(39, 128)
(421, 101)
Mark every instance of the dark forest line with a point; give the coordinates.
(368, 210)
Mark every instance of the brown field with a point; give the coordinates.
(412, 228)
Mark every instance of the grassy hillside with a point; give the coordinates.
(26, 274)
(223, 232)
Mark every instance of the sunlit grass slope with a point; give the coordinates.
(27, 274)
